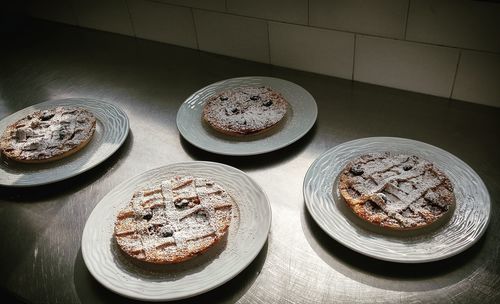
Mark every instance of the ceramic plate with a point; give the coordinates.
(298, 121)
(111, 131)
(449, 236)
(219, 264)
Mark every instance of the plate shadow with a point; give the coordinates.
(89, 290)
(390, 275)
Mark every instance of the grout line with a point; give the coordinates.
(331, 29)
(308, 12)
(187, 6)
(456, 73)
(414, 41)
(407, 17)
(269, 43)
(341, 31)
(73, 10)
(225, 5)
(130, 18)
(354, 56)
(195, 29)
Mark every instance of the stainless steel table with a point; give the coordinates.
(41, 227)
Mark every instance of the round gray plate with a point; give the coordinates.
(112, 128)
(246, 236)
(298, 121)
(463, 227)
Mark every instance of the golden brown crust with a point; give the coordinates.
(175, 221)
(246, 110)
(48, 135)
(399, 192)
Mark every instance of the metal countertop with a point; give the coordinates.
(41, 227)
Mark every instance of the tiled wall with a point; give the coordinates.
(448, 48)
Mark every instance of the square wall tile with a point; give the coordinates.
(106, 15)
(53, 10)
(163, 22)
(478, 78)
(293, 11)
(377, 17)
(405, 65)
(216, 5)
(309, 49)
(460, 23)
(231, 35)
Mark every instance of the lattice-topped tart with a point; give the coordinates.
(48, 135)
(396, 191)
(174, 221)
(245, 110)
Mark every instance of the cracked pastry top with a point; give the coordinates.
(48, 135)
(396, 191)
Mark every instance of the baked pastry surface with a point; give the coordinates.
(396, 191)
(245, 110)
(48, 135)
(174, 221)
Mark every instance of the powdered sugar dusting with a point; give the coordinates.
(245, 110)
(48, 133)
(175, 220)
(397, 190)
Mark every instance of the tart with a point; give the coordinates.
(174, 221)
(396, 191)
(48, 135)
(245, 110)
